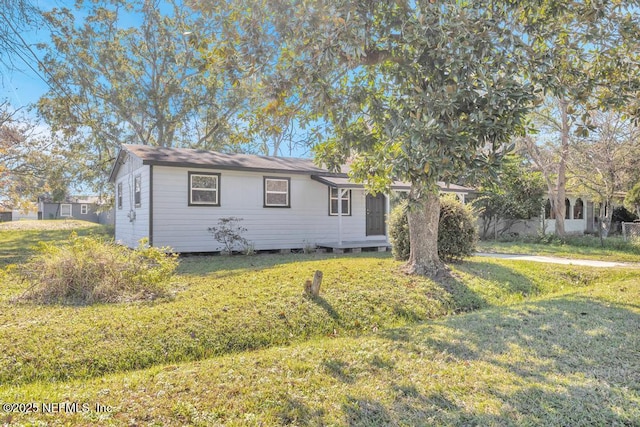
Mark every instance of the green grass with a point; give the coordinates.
(569, 360)
(587, 247)
(501, 343)
(17, 238)
(215, 311)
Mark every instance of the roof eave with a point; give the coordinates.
(118, 162)
(227, 167)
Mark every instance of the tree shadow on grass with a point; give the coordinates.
(566, 361)
(224, 266)
(339, 370)
(365, 413)
(571, 361)
(409, 408)
(506, 278)
(295, 412)
(324, 304)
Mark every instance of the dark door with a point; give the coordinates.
(375, 215)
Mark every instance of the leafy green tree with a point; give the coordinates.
(604, 162)
(415, 91)
(632, 198)
(31, 162)
(129, 72)
(516, 195)
(584, 58)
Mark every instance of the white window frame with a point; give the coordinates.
(215, 190)
(346, 197)
(68, 206)
(267, 192)
(84, 209)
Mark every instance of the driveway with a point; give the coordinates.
(556, 260)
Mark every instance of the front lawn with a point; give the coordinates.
(222, 305)
(569, 360)
(587, 247)
(237, 342)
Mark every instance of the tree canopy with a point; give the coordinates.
(516, 195)
(419, 91)
(584, 57)
(415, 91)
(129, 72)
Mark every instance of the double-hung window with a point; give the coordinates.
(204, 189)
(277, 192)
(65, 210)
(345, 200)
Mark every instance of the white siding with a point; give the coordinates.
(306, 222)
(571, 226)
(132, 223)
(18, 215)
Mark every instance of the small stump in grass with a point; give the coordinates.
(313, 287)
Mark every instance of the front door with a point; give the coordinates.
(375, 215)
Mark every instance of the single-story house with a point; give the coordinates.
(171, 196)
(87, 208)
(581, 216)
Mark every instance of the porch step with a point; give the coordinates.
(355, 246)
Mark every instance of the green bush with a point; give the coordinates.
(86, 270)
(399, 231)
(457, 235)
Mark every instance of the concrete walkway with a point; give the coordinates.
(557, 260)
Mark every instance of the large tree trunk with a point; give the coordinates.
(561, 183)
(423, 217)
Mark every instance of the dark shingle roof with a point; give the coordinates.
(202, 158)
(188, 157)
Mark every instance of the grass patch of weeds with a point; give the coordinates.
(86, 270)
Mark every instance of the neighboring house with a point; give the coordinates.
(581, 216)
(87, 208)
(171, 196)
(7, 213)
